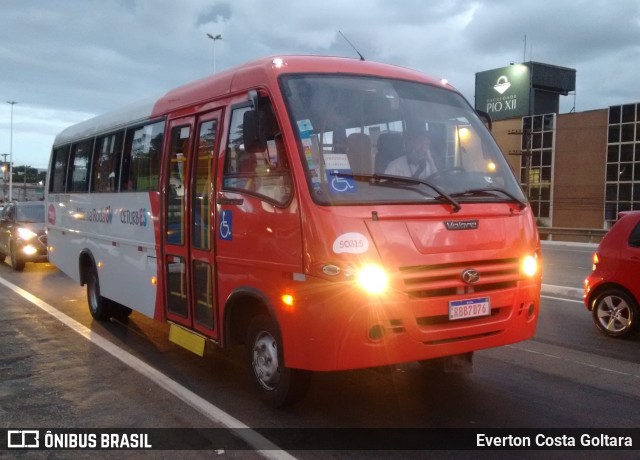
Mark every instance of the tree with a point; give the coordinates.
(32, 174)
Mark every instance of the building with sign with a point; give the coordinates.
(579, 170)
(531, 88)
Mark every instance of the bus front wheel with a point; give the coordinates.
(99, 307)
(276, 384)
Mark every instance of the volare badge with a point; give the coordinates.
(462, 224)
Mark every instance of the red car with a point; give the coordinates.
(612, 290)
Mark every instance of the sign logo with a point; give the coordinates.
(470, 276)
(462, 224)
(225, 230)
(502, 84)
(23, 439)
(52, 214)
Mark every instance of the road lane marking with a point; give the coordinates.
(200, 404)
(574, 361)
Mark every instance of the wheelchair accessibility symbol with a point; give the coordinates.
(341, 184)
(225, 230)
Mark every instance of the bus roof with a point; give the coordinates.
(249, 75)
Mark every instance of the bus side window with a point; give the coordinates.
(79, 166)
(262, 169)
(141, 158)
(58, 176)
(106, 164)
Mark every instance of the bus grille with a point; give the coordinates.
(446, 279)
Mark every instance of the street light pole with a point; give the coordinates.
(12, 103)
(214, 38)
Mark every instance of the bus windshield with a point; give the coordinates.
(360, 136)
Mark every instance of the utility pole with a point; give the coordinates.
(525, 153)
(4, 172)
(24, 186)
(215, 39)
(12, 103)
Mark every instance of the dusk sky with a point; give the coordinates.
(64, 61)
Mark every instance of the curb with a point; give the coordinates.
(562, 291)
(593, 246)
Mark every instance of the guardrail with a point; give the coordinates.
(577, 235)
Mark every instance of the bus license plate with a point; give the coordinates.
(470, 308)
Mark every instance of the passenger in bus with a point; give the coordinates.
(417, 162)
(359, 153)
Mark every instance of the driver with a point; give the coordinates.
(418, 162)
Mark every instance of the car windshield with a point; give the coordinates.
(354, 130)
(29, 214)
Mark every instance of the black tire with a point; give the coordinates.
(615, 313)
(99, 307)
(16, 262)
(276, 385)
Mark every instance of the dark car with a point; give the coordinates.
(612, 290)
(22, 233)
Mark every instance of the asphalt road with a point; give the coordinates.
(60, 375)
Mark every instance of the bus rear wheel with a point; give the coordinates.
(276, 385)
(99, 307)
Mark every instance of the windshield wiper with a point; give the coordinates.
(481, 191)
(380, 179)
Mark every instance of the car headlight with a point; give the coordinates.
(29, 250)
(529, 265)
(26, 234)
(372, 279)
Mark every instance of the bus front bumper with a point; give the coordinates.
(350, 334)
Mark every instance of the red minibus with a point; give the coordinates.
(286, 206)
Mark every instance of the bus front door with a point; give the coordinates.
(189, 270)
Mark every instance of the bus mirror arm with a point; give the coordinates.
(485, 118)
(253, 97)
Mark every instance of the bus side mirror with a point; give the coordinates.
(485, 118)
(251, 133)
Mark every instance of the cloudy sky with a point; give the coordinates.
(64, 61)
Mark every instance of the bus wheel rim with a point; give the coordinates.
(265, 360)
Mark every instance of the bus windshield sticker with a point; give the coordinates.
(336, 161)
(305, 127)
(337, 165)
(226, 225)
(352, 243)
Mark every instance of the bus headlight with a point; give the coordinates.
(26, 234)
(372, 279)
(529, 266)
